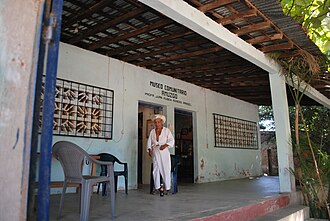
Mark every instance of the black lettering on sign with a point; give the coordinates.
(156, 85)
(170, 94)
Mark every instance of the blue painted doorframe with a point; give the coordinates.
(47, 66)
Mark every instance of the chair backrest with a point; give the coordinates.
(175, 161)
(108, 157)
(71, 158)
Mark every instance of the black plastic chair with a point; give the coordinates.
(104, 171)
(175, 162)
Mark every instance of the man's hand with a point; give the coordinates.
(162, 147)
(149, 152)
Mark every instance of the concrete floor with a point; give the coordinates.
(192, 201)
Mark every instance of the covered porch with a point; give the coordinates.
(218, 46)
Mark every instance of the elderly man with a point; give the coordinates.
(160, 139)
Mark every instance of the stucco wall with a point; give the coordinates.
(130, 85)
(18, 26)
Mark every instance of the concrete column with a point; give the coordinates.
(20, 24)
(283, 134)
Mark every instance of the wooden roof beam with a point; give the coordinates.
(284, 46)
(198, 62)
(262, 39)
(321, 86)
(236, 89)
(215, 4)
(110, 40)
(257, 83)
(224, 73)
(224, 70)
(237, 17)
(156, 40)
(100, 28)
(252, 28)
(173, 48)
(180, 56)
(94, 8)
(224, 79)
(207, 66)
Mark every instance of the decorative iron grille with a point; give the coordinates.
(81, 110)
(232, 132)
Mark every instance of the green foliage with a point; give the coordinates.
(318, 123)
(307, 178)
(314, 17)
(317, 119)
(266, 113)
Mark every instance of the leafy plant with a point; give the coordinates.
(314, 16)
(310, 162)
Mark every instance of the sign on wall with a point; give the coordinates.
(232, 132)
(81, 110)
(168, 93)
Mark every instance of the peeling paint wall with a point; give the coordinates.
(18, 26)
(227, 163)
(130, 84)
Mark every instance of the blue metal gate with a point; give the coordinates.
(47, 66)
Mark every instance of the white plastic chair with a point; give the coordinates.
(72, 158)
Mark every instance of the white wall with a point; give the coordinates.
(130, 84)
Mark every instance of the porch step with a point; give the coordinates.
(252, 211)
(289, 213)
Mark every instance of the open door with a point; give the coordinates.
(184, 145)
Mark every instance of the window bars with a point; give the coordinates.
(81, 110)
(232, 132)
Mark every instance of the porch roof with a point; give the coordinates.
(133, 32)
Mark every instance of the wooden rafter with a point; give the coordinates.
(237, 89)
(275, 27)
(85, 13)
(110, 40)
(196, 62)
(252, 28)
(278, 47)
(200, 67)
(215, 4)
(224, 73)
(149, 43)
(181, 56)
(265, 38)
(100, 28)
(172, 49)
(237, 17)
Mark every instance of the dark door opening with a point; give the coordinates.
(140, 146)
(184, 145)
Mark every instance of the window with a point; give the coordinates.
(81, 110)
(231, 132)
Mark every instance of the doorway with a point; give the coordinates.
(184, 145)
(146, 112)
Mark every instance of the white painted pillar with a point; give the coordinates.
(283, 133)
(19, 28)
